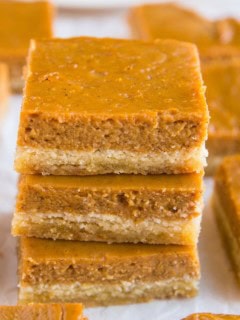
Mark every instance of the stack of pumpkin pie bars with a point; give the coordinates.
(111, 151)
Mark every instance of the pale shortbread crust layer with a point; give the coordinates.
(60, 162)
(230, 241)
(107, 294)
(106, 227)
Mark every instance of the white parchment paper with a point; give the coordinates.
(218, 290)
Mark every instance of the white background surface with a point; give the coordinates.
(218, 290)
(199, 4)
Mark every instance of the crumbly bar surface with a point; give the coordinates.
(59, 162)
(4, 88)
(123, 292)
(226, 206)
(38, 311)
(221, 74)
(20, 22)
(112, 106)
(170, 21)
(211, 316)
(102, 274)
(152, 209)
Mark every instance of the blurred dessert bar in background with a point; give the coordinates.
(159, 209)
(96, 106)
(221, 74)
(4, 88)
(21, 21)
(68, 311)
(104, 274)
(170, 21)
(226, 205)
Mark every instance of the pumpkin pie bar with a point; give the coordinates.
(170, 21)
(4, 88)
(226, 205)
(21, 21)
(69, 311)
(97, 106)
(103, 274)
(221, 74)
(210, 316)
(114, 208)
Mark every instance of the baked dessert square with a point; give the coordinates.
(226, 205)
(68, 311)
(157, 209)
(4, 88)
(97, 106)
(221, 74)
(21, 21)
(105, 274)
(170, 21)
(210, 316)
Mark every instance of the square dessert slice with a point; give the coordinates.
(95, 106)
(170, 21)
(68, 311)
(104, 274)
(21, 21)
(221, 74)
(211, 316)
(159, 209)
(226, 205)
(4, 88)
